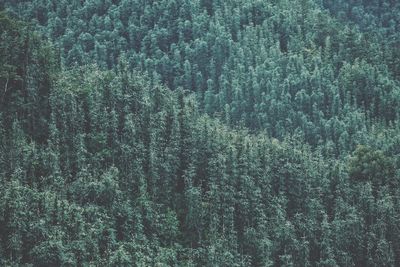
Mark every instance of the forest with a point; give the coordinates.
(200, 133)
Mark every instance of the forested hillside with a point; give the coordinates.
(199, 133)
(282, 66)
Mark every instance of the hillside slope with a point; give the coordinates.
(103, 164)
(282, 66)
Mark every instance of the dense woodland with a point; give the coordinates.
(200, 133)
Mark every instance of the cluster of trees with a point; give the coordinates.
(282, 66)
(206, 133)
(379, 19)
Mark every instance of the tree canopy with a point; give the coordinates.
(199, 133)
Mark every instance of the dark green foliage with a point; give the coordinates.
(22, 56)
(199, 133)
(280, 66)
(369, 165)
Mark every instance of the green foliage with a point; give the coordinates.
(371, 165)
(28, 66)
(280, 66)
(199, 133)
